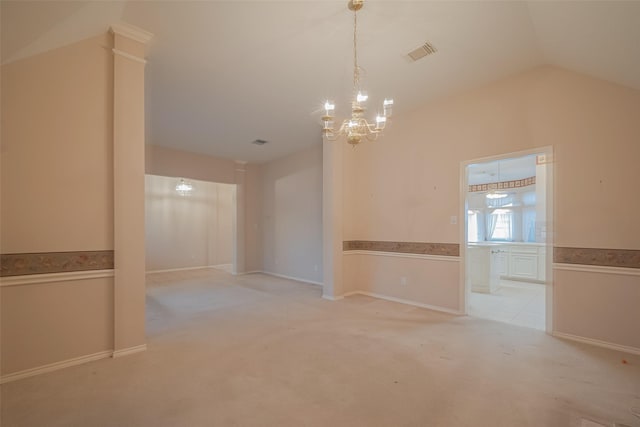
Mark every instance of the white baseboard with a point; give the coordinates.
(297, 279)
(169, 270)
(248, 272)
(598, 343)
(71, 362)
(221, 266)
(348, 294)
(408, 302)
(129, 350)
(55, 366)
(331, 298)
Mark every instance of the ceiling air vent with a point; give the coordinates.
(422, 51)
(259, 142)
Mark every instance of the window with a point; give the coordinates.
(500, 225)
(509, 218)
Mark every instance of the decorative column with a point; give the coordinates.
(332, 179)
(128, 188)
(239, 226)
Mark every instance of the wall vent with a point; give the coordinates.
(259, 142)
(422, 51)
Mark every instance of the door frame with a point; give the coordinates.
(463, 291)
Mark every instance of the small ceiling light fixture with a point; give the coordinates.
(493, 193)
(184, 188)
(355, 128)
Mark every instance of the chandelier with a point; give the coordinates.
(184, 188)
(356, 127)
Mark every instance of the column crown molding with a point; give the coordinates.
(131, 32)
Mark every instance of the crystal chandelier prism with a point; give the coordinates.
(356, 128)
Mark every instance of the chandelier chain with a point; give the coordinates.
(356, 69)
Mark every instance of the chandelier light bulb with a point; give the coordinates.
(362, 97)
(388, 106)
(329, 106)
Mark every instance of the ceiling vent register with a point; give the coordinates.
(424, 50)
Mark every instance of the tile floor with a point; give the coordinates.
(517, 303)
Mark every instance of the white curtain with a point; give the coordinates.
(506, 219)
(492, 221)
(500, 225)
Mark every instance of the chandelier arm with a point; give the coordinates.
(372, 128)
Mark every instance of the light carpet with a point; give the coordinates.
(257, 350)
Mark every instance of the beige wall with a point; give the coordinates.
(171, 162)
(292, 215)
(51, 322)
(283, 213)
(188, 231)
(406, 186)
(57, 195)
(57, 157)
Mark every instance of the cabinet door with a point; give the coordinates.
(503, 263)
(524, 265)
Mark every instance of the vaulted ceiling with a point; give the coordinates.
(222, 74)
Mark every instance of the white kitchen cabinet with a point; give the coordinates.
(523, 266)
(512, 261)
(483, 271)
(527, 262)
(503, 261)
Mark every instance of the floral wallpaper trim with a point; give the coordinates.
(504, 185)
(627, 258)
(54, 262)
(443, 249)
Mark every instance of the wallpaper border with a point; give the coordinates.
(21, 264)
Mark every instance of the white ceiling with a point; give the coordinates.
(222, 74)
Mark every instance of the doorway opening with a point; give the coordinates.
(507, 250)
(189, 224)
